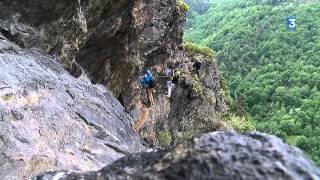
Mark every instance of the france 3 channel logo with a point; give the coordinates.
(291, 23)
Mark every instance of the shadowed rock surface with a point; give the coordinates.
(50, 120)
(216, 156)
(114, 42)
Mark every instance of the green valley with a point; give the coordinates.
(273, 73)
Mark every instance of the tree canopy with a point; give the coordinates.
(273, 73)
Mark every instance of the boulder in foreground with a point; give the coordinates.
(216, 156)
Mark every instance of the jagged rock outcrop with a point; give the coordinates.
(50, 120)
(216, 156)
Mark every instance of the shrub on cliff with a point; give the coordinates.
(240, 124)
(196, 48)
(164, 138)
(183, 5)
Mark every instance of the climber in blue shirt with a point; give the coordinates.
(148, 83)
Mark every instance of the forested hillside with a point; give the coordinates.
(273, 73)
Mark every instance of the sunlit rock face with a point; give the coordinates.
(49, 120)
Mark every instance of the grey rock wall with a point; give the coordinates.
(113, 42)
(50, 120)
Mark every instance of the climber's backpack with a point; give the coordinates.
(151, 83)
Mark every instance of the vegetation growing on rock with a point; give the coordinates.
(164, 138)
(239, 123)
(183, 5)
(196, 48)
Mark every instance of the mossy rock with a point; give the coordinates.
(197, 89)
(211, 99)
(164, 138)
(183, 136)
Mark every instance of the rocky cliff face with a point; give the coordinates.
(114, 42)
(50, 120)
(195, 107)
(216, 156)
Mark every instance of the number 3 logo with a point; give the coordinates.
(292, 23)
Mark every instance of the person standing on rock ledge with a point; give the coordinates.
(176, 75)
(170, 85)
(148, 83)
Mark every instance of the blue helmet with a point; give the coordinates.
(148, 72)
